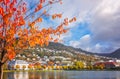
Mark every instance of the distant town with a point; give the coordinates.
(51, 59)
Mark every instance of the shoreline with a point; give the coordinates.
(53, 70)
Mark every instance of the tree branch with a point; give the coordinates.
(32, 13)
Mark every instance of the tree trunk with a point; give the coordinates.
(1, 71)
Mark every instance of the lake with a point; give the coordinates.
(63, 75)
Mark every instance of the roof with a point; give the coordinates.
(17, 62)
(106, 63)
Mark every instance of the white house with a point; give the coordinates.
(18, 64)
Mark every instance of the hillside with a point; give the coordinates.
(57, 49)
(115, 54)
(59, 46)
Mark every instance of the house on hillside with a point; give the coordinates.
(111, 64)
(18, 65)
(115, 60)
(107, 64)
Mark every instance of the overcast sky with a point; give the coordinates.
(97, 26)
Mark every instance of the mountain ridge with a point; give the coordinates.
(60, 46)
(115, 54)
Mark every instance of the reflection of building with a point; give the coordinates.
(18, 64)
(20, 75)
(8, 75)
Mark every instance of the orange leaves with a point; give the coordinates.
(20, 33)
(24, 9)
(11, 56)
(1, 11)
(21, 21)
(14, 9)
(40, 37)
(0, 25)
(44, 12)
(65, 30)
(39, 20)
(56, 16)
(10, 35)
(56, 40)
(39, 6)
(6, 18)
(31, 24)
(10, 53)
(11, 5)
(1, 0)
(6, 2)
(31, 43)
(51, 2)
(61, 2)
(21, 44)
(53, 16)
(72, 20)
(66, 22)
(42, 1)
(46, 43)
(16, 19)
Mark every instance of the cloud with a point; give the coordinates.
(84, 43)
(77, 8)
(105, 23)
(103, 18)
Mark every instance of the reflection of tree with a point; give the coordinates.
(17, 74)
(54, 75)
(8, 75)
(5, 76)
(34, 75)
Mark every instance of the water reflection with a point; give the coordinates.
(63, 75)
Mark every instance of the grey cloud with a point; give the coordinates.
(105, 23)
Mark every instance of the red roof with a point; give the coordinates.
(110, 63)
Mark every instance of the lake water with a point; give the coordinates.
(63, 75)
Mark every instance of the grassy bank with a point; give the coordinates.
(60, 70)
(29, 70)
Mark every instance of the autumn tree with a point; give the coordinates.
(17, 67)
(23, 67)
(18, 28)
(79, 64)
